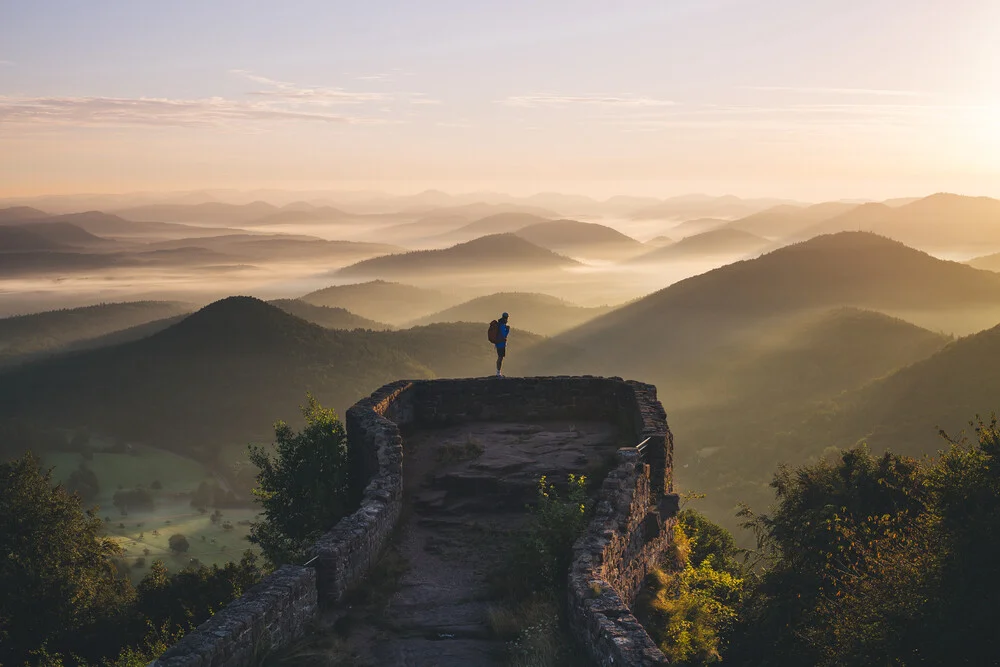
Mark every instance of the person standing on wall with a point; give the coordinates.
(498, 332)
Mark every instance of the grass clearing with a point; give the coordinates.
(144, 534)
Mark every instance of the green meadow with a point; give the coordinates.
(145, 534)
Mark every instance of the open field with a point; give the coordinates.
(145, 534)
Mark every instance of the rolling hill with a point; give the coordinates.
(41, 236)
(715, 243)
(702, 315)
(381, 301)
(29, 335)
(905, 410)
(208, 213)
(498, 223)
(497, 253)
(113, 226)
(290, 216)
(448, 219)
(785, 220)
(697, 226)
(585, 239)
(703, 206)
(986, 262)
(942, 222)
(750, 411)
(222, 375)
(17, 214)
(326, 316)
(538, 313)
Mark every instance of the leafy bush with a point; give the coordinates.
(303, 489)
(690, 605)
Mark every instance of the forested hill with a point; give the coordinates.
(224, 374)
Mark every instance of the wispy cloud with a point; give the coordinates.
(878, 92)
(290, 91)
(6, 62)
(293, 92)
(552, 100)
(274, 101)
(157, 112)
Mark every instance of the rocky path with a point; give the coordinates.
(465, 487)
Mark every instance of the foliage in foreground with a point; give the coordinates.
(303, 489)
(689, 605)
(64, 601)
(532, 581)
(879, 560)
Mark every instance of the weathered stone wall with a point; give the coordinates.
(344, 555)
(271, 615)
(626, 538)
(628, 533)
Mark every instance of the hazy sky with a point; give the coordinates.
(811, 99)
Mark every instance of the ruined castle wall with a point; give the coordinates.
(272, 614)
(375, 449)
(628, 533)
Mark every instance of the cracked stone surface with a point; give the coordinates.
(465, 487)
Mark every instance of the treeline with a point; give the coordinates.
(863, 560)
(66, 601)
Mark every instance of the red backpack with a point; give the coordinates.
(494, 333)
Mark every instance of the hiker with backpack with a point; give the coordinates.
(497, 334)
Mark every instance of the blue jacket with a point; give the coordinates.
(503, 331)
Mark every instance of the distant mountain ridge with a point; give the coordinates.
(394, 303)
(538, 313)
(498, 252)
(725, 241)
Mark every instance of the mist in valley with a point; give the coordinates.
(799, 249)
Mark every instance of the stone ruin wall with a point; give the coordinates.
(630, 530)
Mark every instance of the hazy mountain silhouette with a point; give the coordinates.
(113, 226)
(21, 213)
(496, 253)
(498, 223)
(700, 315)
(939, 222)
(580, 238)
(326, 316)
(223, 374)
(210, 212)
(52, 331)
(726, 242)
(986, 262)
(745, 410)
(659, 242)
(449, 219)
(704, 206)
(381, 301)
(288, 216)
(538, 313)
(905, 410)
(48, 236)
(267, 247)
(697, 226)
(784, 220)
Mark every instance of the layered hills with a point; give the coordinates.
(587, 239)
(383, 301)
(327, 316)
(538, 313)
(715, 243)
(25, 336)
(222, 375)
(496, 253)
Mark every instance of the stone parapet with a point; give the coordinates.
(623, 541)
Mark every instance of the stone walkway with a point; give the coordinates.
(465, 487)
